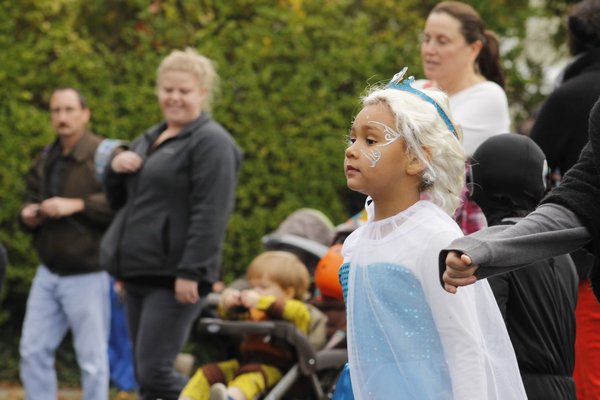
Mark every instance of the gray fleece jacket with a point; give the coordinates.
(549, 231)
(173, 212)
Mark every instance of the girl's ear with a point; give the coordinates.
(415, 166)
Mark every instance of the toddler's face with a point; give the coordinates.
(267, 287)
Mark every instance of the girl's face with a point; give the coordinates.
(265, 286)
(445, 53)
(375, 164)
(180, 96)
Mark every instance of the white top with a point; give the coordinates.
(482, 111)
(407, 337)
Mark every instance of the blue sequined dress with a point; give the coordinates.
(407, 337)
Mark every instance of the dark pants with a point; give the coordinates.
(159, 327)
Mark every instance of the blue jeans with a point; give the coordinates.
(56, 304)
(120, 354)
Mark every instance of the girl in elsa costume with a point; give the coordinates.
(407, 337)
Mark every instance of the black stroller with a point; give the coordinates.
(316, 370)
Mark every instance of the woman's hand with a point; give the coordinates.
(460, 271)
(186, 291)
(126, 162)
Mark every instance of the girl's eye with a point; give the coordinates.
(370, 141)
(350, 140)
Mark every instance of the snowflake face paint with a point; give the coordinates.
(373, 155)
(373, 165)
(390, 137)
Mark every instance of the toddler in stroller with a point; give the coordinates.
(279, 283)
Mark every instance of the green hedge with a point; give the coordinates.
(291, 71)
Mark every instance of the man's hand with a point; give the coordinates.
(60, 207)
(460, 271)
(126, 162)
(186, 291)
(31, 215)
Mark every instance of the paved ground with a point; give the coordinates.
(9, 392)
(16, 393)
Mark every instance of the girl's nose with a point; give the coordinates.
(350, 151)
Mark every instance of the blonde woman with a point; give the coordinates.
(174, 189)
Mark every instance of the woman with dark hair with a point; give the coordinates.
(462, 58)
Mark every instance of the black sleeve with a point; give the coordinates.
(114, 188)
(114, 183)
(551, 130)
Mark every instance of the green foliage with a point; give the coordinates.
(291, 72)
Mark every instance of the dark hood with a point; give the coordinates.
(508, 176)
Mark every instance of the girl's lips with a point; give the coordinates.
(350, 168)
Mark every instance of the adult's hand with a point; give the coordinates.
(126, 162)
(460, 271)
(60, 207)
(186, 291)
(31, 215)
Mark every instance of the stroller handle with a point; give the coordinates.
(280, 329)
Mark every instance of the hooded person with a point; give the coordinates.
(561, 126)
(508, 179)
(567, 219)
(561, 131)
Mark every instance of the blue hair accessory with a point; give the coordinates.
(397, 83)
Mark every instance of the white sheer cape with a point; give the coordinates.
(407, 337)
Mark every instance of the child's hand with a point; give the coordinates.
(250, 298)
(230, 298)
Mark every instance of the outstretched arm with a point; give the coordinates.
(549, 231)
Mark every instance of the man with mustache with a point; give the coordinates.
(66, 212)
